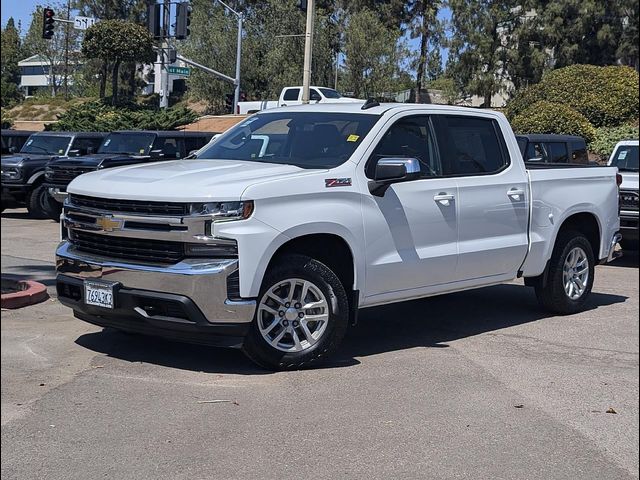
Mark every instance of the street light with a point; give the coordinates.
(240, 16)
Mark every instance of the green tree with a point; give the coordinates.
(627, 50)
(422, 19)
(117, 41)
(373, 55)
(10, 56)
(482, 44)
(434, 64)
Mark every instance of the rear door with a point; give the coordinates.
(291, 96)
(492, 196)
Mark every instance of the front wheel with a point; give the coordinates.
(570, 276)
(301, 316)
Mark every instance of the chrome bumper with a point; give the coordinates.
(57, 194)
(613, 253)
(204, 281)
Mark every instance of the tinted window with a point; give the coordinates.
(195, 143)
(169, 147)
(127, 143)
(579, 153)
(469, 145)
(314, 95)
(537, 152)
(82, 145)
(307, 140)
(48, 145)
(330, 93)
(558, 152)
(291, 94)
(409, 137)
(626, 158)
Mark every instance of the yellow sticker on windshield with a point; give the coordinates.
(353, 138)
(142, 150)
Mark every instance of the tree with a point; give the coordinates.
(117, 41)
(59, 52)
(627, 50)
(373, 55)
(482, 43)
(9, 71)
(422, 17)
(434, 64)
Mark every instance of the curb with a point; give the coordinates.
(34, 293)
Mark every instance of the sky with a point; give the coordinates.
(20, 10)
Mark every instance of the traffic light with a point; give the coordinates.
(228, 102)
(183, 20)
(153, 19)
(48, 22)
(302, 5)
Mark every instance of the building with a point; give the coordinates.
(34, 75)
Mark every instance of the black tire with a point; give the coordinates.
(304, 268)
(552, 295)
(40, 205)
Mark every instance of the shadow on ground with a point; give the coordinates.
(45, 274)
(426, 323)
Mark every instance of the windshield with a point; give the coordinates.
(626, 158)
(46, 145)
(127, 143)
(303, 139)
(330, 93)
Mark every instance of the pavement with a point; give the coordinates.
(475, 385)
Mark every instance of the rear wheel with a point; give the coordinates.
(301, 317)
(570, 276)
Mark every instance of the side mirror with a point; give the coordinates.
(157, 153)
(536, 159)
(74, 153)
(393, 170)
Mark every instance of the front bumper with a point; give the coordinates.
(57, 192)
(629, 224)
(187, 301)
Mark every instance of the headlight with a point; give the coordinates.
(223, 211)
(11, 173)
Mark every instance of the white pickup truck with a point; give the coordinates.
(275, 235)
(290, 96)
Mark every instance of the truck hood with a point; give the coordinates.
(629, 181)
(20, 159)
(182, 180)
(102, 160)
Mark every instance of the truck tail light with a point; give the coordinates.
(618, 179)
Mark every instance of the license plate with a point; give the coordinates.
(98, 294)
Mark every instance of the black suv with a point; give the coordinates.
(13, 140)
(23, 172)
(553, 149)
(124, 148)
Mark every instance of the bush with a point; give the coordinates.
(555, 118)
(606, 96)
(100, 117)
(606, 139)
(5, 119)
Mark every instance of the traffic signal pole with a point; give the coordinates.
(308, 50)
(236, 93)
(164, 73)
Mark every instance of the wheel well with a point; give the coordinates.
(586, 224)
(328, 249)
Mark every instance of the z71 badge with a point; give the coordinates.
(337, 182)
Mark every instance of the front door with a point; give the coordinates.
(411, 232)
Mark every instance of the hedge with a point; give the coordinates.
(100, 117)
(607, 137)
(547, 117)
(606, 96)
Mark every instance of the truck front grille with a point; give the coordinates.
(141, 250)
(64, 175)
(628, 200)
(130, 206)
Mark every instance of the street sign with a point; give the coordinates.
(184, 71)
(82, 23)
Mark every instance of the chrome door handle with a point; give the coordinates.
(444, 198)
(516, 193)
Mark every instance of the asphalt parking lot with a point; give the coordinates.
(478, 384)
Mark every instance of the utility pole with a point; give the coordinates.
(240, 17)
(308, 50)
(164, 79)
(66, 52)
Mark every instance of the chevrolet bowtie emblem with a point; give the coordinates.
(109, 224)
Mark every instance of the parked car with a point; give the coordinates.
(283, 228)
(13, 140)
(625, 157)
(290, 96)
(23, 172)
(553, 149)
(123, 148)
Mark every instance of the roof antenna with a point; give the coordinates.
(370, 103)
